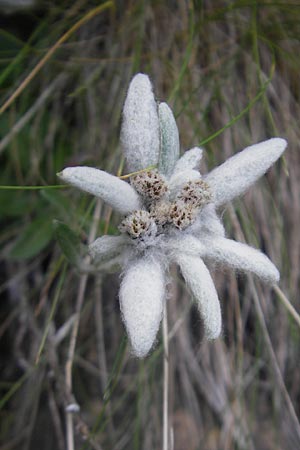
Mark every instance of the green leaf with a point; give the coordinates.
(169, 140)
(17, 203)
(34, 238)
(61, 203)
(69, 242)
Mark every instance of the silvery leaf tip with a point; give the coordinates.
(169, 215)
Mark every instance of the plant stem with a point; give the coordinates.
(74, 334)
(287, 304)
(166, 379)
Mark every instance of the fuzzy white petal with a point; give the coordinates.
(142, 295)
(185, 243)
(242, 257)
(199, 281)
(169, 140)
(178, 179)
(107, 247)
(235, 176)
(189, 160)
(207, 223)
(140, 126)
(117, 193)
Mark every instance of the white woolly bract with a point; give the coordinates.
(207, 223)
(140, 126)
(169, 140)
(189, 160)
(107, 247)
(184, 243)
(235, 176)
(179, 179)
(142, 294)
(117, 193)
(242, 257)
(198, 279)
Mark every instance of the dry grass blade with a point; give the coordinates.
(32, 111)
(287, 304)
(94, 12)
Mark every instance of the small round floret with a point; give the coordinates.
(182, 214)
(138, 224)
(160, 212)
(150, 184)
(196, 193)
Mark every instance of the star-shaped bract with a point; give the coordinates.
(170, 216)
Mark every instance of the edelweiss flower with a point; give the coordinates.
(170, 216)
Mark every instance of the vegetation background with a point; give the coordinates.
(230, 71)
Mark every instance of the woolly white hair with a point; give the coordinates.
(207, 222)
(103, 185)
(198, 279)
(140, 126)
(235, 176)
(242, 257)
(142, 294)
(107, 247)
(187, 244)
(189, 160)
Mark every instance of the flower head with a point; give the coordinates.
(169, 215)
